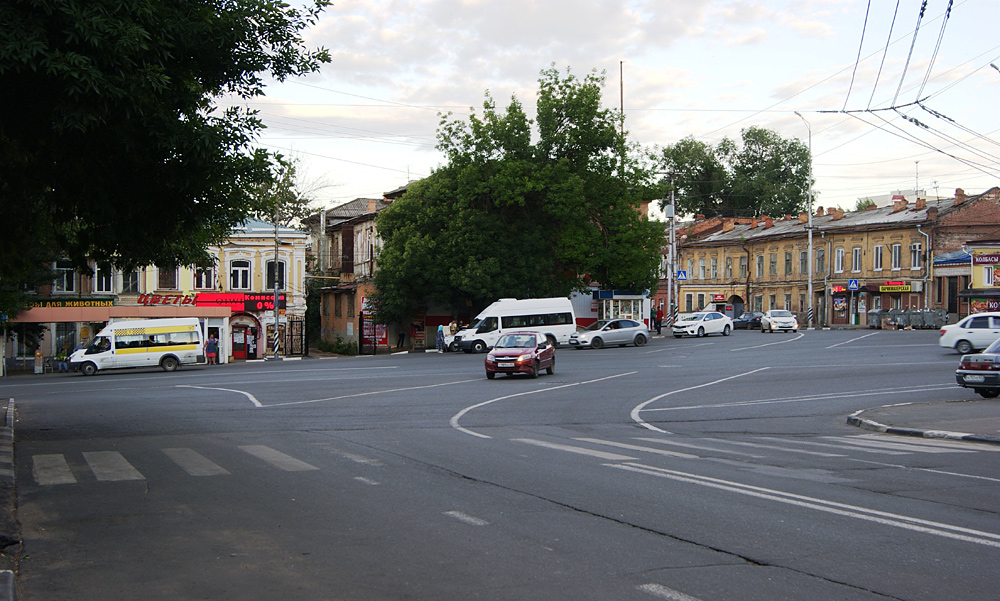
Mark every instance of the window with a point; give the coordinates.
(130, 282)
(788, 302)
(760, 266)
(350, 305)
(167, 278)
(204, 278)
(876, 302)
(104, 280)
(729, 268)
(758, 303)
(838, 260)
(802, 302)
(338, 305)
(326, 305)
(65, 277)
(820, 260)
(788, 262)
(743, 268)
(897, 261)
(856, 260)
(772, 301)
(688, 302)
(701, 270)
(715, 268)
(915, 256)
(701, 301)
(270, 275)
(690, 269)
(65, 340)
(987, 275)
(804, 263)
(773, 264)
(239, 275)
(877, 257)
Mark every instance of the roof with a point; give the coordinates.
(353, 209)
(256, 227)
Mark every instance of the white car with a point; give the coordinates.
(779, 320)
(971, 334)
(703, 323)
(610, 331)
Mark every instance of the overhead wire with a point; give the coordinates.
(937, 47)
(885, 53)
(861, 45)
(913, 43)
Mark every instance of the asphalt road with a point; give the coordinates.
(718, 469)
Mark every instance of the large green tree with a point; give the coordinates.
(508, 217)
(114, 145)
(765, 174)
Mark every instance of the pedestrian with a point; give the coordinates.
(61, 359)
(658, 321)
(440, 339)
(211, 349)
(401, 336)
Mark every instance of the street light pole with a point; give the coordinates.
(673, 300)
(809, 227)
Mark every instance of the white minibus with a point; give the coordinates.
(166, 343)
(551, 317)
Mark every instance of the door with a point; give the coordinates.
(953, 294)
(240, 342)
(251, 338)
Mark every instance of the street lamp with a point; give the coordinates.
(809, 227)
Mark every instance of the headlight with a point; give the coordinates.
(490, 358)
(525, 357)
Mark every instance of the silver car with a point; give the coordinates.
(779, 320)
(610, 331)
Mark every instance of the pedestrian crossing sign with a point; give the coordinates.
(682, 276)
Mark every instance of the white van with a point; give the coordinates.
(552, 317)
(167, 343)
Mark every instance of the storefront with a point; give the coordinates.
(616, 304)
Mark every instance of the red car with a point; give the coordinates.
(521, 353)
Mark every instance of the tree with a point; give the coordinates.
(766, 175)
(507, 217)
(864, 203)
(113, 143)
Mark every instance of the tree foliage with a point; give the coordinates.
(114, 145)
(508, 217)
(765, 175)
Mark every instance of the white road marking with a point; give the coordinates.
(699, 447)
(658, 590)
(577, 450)
(966, 446)
(897, 446)
(851, 340)
(368, 481)
(774, 447)
(642, 406)
(277, 458)
(51, 469)
(635, 447)
(359, 458)
(831, 446)
(252, 398)
(111, 466)
(194, 463)
(747, 348)
(969, 535)
(370, 393)
(458, 416)
(466, 518)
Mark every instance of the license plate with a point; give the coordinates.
(975, 378)
(505, 365)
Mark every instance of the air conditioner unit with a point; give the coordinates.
(917, 286)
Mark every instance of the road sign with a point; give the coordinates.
(682, 276)
(852, 284)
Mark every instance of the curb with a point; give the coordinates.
(9, 531)
(855, 419)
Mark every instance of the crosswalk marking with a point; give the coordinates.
(468, 519)
(111, 466)
(937, 442)
(633, 447)
(579, 450)
(698, 447)
(834, 446)
(767, 446)
(277, 458)
(898, 446)
(658, 590)
(52, 469)
(194, 463)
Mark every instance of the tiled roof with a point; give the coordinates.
(352, 209)
(258, 227)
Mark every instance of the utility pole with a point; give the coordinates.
(809, 226)
(277, 355)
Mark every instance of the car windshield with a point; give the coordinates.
(993, 349)
(781, 313)
(597, 325)
(473, 325)
(692, 317)
(516, 341)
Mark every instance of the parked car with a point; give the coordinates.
(749, 320)
(703, 323)
(981, 372)
(975, 332)
(779, 320)
(521, 353)
(610, 331)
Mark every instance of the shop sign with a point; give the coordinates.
(165, 299)
(895, 288)
(236, 301)
(48, 303)
(985, 259)
(836, 289)
(718, 298)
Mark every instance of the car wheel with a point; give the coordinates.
(701, 332)
(551, 369)
(677, 335)
(989, 393)
(640, 340)
(762, 330)
(88, 369)
(725, 331)
(479, 346)
(534, 370)
(490, 375)
(168, 364)
(964, 347)
(794, 331)
(597, 343)
(453, 347)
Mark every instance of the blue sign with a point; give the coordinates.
(682, 276)
(852, 284)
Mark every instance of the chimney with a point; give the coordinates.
(871, 207)
(898, 205)
(728, 225)
(932, 213)
(838, 213)
(959, 196)
(372, 204)
(788, 217)
(768, 222)
(699, 217)
(753, 222)
(803, 217)
(819, 211)
(921, 204)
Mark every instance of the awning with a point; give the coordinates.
(980, 293)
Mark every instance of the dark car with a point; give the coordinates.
(981, 372)
(748, 321)
(521, 353)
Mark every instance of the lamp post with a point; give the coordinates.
(809, 226)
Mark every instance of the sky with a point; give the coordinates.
(366, 123)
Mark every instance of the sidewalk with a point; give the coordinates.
(973, 420)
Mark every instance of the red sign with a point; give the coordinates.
(894, 284)
(718, 298)
(236, 301)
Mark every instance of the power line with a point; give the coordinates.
(857, 61)
(885, 53)
(930, 65)
(916, 30)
